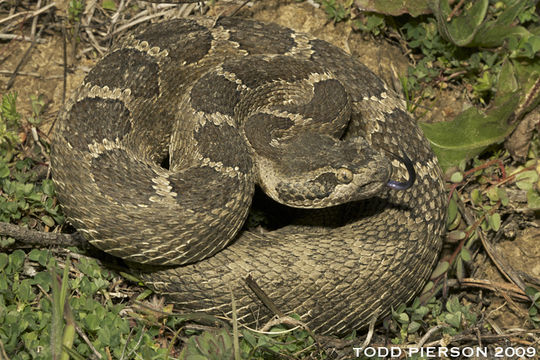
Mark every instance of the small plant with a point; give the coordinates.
(335, 10)
(484, 189)
(22, 196)
(457, 316)
(408, 321)
(9, 121)
(284, 341)
(39, 311)
(211, 345)
(370, 22)
(534, 310)
(22, 199)
(75, 9)
(37, 104)
(62, 335)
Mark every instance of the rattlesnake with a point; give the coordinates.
(156, 156)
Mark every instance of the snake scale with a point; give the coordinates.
(157, 155)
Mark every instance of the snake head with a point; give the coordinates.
(317, 171)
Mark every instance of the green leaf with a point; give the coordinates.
(415, 304)
(250, 338)
(533, 293)
(507, 82)
(527, 75)
(395, 8)
(403, 318)
(27, 188)
(24, 291)
(453, 305)
(413, 327)
(494, 221)
(41, 256)
(43, 279)
(3, 260)
(460, 270)
(493, 33)
(470, 132)
(92, 322)
(533, 199)
(526, 180)
(441, 268)
(17, 260)
(4, 170)
(194, 357)
(461, 29)
(109, 5)
(428, 287)
(503, 196)
(466, 254)
(452, 212)
(493, 195)
(421, 311)
(476, 197)
(75, 355)
(456, 177)
(47, 220)
(48, 187)
(456, 235)
(454, 319)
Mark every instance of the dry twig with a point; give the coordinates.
(40, 238)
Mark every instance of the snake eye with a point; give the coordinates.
(344, 175)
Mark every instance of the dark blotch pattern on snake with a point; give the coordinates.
(230, 104)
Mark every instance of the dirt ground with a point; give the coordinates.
(43, 74)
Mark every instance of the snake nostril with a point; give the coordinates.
(344, 175)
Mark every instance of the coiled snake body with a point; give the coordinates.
(157, 155)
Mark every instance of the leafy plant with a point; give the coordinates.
(37, 103)
(211, 345)
(75, 9)
(61, 335)
(335, 10)
(370, 22)
(453, 317)
(534, 309)
(22, 196)
(501, 76)
(9, 121)
(32, 312)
